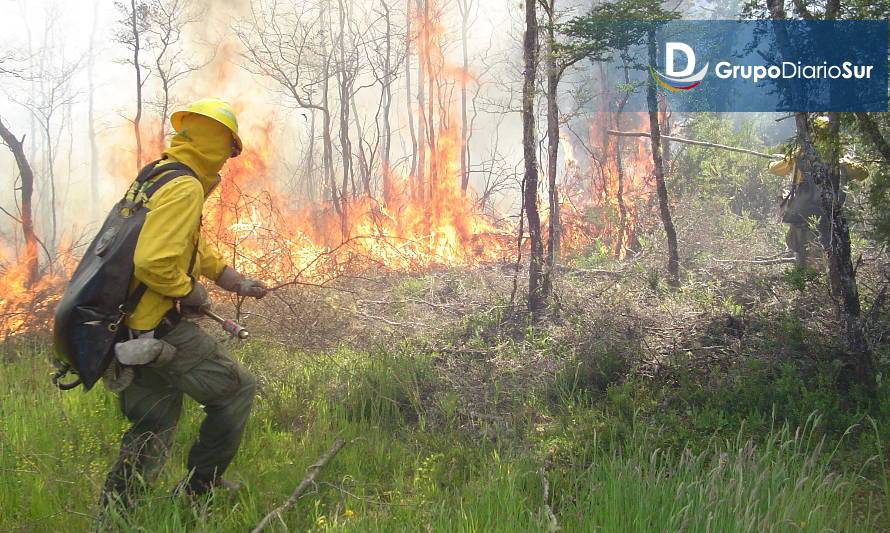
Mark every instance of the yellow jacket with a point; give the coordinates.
(172, 225)
(851, 169)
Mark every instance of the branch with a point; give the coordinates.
(697, 143)
(311, 472)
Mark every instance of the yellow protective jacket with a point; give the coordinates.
(172, 226)
(851, 170)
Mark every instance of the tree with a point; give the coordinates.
(25, 215)
(537, 299)
(132, 27)
(673, 265)
(466, 9)
(167, 20)
(859, 366)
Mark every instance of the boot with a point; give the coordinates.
(196, 486)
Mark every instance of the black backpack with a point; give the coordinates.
(89, 318)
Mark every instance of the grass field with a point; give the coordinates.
(627, 456)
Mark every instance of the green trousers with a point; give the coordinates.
(203, 370)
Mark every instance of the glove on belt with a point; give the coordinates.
(143, 351)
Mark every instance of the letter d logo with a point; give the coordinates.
(670, 54)
(679, 80)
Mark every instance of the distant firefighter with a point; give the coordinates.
(802, 205)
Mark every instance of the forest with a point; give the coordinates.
(512, 276)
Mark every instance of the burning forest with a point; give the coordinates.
(457, 265)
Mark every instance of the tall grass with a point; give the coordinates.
(406, 467)
(784, 483)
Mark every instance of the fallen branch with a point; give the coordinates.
(311, 472)
(697, 143)
(778, 261)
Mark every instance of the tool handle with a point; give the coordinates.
(229, 326)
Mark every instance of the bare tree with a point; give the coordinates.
(291, 44)
(132, 27)
(167, 20)
(56, 92)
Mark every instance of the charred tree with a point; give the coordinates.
(537, 297)
(673, 265)
(26, 217)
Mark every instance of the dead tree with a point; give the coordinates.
(56, 93)
(25, 216)
(537, 298)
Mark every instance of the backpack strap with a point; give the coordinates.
(170, 172)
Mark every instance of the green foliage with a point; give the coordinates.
(798, 277)
(738, 181)
(612, 27)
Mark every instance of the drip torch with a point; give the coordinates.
(230, 326)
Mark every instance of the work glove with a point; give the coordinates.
(190, 305)
(232, 281)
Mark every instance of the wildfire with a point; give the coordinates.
(605, 209)
(420, 219)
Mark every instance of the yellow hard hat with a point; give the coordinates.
(219, 110)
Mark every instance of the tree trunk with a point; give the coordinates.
(387, 103)
(664, 206)
(619, 189)
(553, 227)
(422, 53)
(27, 192)
(408, 96)
(343, 84)
(536, 296)
(138, 117)
(464, 124)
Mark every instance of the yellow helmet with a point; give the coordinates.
(218, 110)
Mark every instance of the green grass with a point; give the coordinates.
(616, 456)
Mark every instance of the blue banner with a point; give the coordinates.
(787, 66)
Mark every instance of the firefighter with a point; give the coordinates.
(802, 202)
(170, 257)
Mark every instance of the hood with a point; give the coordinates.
(204, 145)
